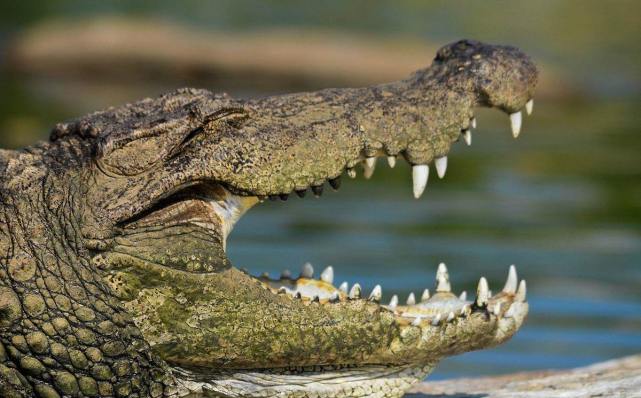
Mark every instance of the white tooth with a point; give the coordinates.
(416, 321)
(509, 313)
(436, 319)
(343, 287)
(515, 121)
(355, 291)
(450, 317)
(391, 160)
(286, 274)
(426, 295)
(368, 167)
(521, 292)
(370, 161)
(393, 303)
(442, 279)
(376, 293)
(473, 122)
(482, 292)
(464, 310)
(489, 293)
(328, 274)
(420, 173)
(512, 281)
(497, 309)
(351, 173)
(307, 271)
(463, 296)
(529, 106)
(334, 297)
(441, 166)
(411, 300)
(467, 134)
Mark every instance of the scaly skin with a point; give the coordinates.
(114, 279)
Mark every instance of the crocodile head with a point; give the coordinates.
(155, 188)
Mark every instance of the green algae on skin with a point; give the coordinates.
(115, 235)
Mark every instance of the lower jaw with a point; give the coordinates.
(312, 381)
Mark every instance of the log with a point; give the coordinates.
(617, 378)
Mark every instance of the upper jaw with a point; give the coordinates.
(307, 139)
(284, 144)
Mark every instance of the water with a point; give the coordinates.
(563, 202)
(536, 202)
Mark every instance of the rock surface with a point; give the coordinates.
(613, 379)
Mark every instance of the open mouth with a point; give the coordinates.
(446, 322)
(214, 209)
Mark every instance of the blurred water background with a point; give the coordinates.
(563, 202)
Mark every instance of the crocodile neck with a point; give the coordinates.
(60, 325)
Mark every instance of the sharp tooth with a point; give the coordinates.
(442, 279)
(515, 121)
(441, 166)
(416, 321)
(420, 173)
(497, 309)
(317, 190)
(286, 274)
(393, 303)
(328, 274)
(463, 296)
(369, 166)
(467, 135)
(343, 287)
(376, 293)
(489, 293)
(370, 161)
(521, 292)
(450, 317)
(512, 281)
(335, 183)
(509, 313)
(391, 160)
(426, 295)
(473, 122)
(529, 106)
(411, 300)
(436, 319)
(351, 173)
(464, 310)
(482, 293)
(307, 271)
(334, 297)
(355, 291)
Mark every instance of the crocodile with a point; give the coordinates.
(114, 279)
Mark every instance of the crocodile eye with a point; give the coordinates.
(141, 149)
